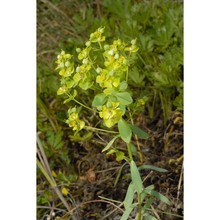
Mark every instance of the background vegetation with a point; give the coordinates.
(158, 75)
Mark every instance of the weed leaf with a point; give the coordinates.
(151, 167)
(149, 217)
(126, 213)
(129, 196)
(146, 191)
(136, 178)
(99, 100)
(110, 143)
(139, 132)
(124, 130)
(124, 98)
(160, 196)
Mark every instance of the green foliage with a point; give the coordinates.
(145, 195)
(125, 131)
(158, 26)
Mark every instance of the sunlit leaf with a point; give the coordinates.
(124, 98)
(124, 130)
(129, 196)
(136, 178)
(99, 100)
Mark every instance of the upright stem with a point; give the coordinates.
(129, 151)
(136, 138)
(139, 207)
(127, 75)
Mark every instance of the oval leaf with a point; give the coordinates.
(136, 178)
(99, 100)
(124, 98)
(124, 131)
(129, 196)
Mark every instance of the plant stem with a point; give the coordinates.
(142, 59)
(127, 75)
(84, 105)
(100, 45)
(99, 129)
(129, 151)
(136, 137)
(139, 207)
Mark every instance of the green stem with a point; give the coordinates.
(99, 129)
(127, 75)
(136, 137)
(142, 59)
(129, 151)
(100, 45)
(139, 207)
(83, 105)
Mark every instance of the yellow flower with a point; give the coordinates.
(75, 122)
(65, 191)
(111, 115)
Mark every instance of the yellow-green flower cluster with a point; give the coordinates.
(65, 64)
(116, 64)
(97, 36)
(111, 113)
(110, 75)
(83, 76)
(75, 122)
(106, 79)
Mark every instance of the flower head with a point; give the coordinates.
(75, 122)
(111, 113)
(65, 64)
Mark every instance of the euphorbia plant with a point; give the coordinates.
(101, 75)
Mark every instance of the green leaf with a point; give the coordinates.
(151, 167)
(129, 196)
(124, 98)
(123, 86)
(120, 155)
(146, 191)
(112, 151)
(99, 100)
(160, 196)
(133, 149)
(124, 131)
(119, 174)
(135, 177)
(127, 213)
(149, 217)
(147, 205)
(110, 143)
(136, 76)
(139, 132)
